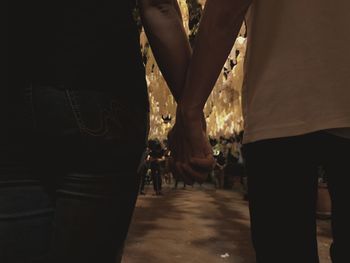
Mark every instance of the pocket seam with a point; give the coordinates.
(102, 131)
(75, 109)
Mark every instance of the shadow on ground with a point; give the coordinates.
(192, 225)
(196, 225)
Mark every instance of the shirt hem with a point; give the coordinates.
(294, 130)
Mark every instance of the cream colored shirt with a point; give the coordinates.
(297, 68)
(344, 133)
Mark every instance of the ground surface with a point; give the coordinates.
(196, 225)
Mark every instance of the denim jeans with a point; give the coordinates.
(282, 186)
(68, 174)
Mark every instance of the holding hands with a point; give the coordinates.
(191, 153)
(191, 75)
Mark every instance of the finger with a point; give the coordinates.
(196, 175)
(176, 174)
(172, 164)
(202, 163)
(188, 180)
(182, 174)
(208, 150)
(179, 169)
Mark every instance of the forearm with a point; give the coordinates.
(177, 8)
(165, 32)
(220, 25)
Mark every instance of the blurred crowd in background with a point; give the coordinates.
(227, 173)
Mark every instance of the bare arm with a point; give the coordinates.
(219, 27)
(164, 29)
(177, 8)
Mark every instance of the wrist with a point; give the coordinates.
(190, 113)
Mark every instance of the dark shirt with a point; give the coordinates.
(156, 154)
(83, 44)
(221, 159)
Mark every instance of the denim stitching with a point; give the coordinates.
(105, 116)
(108, 115)
(75, 108)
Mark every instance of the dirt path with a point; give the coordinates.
(196, 225)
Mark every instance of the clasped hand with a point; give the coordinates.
(191, 153)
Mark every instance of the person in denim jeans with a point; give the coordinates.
(73, 123)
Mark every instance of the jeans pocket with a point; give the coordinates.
(53, 114)
(106, 116)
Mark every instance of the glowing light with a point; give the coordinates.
(223, 110)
